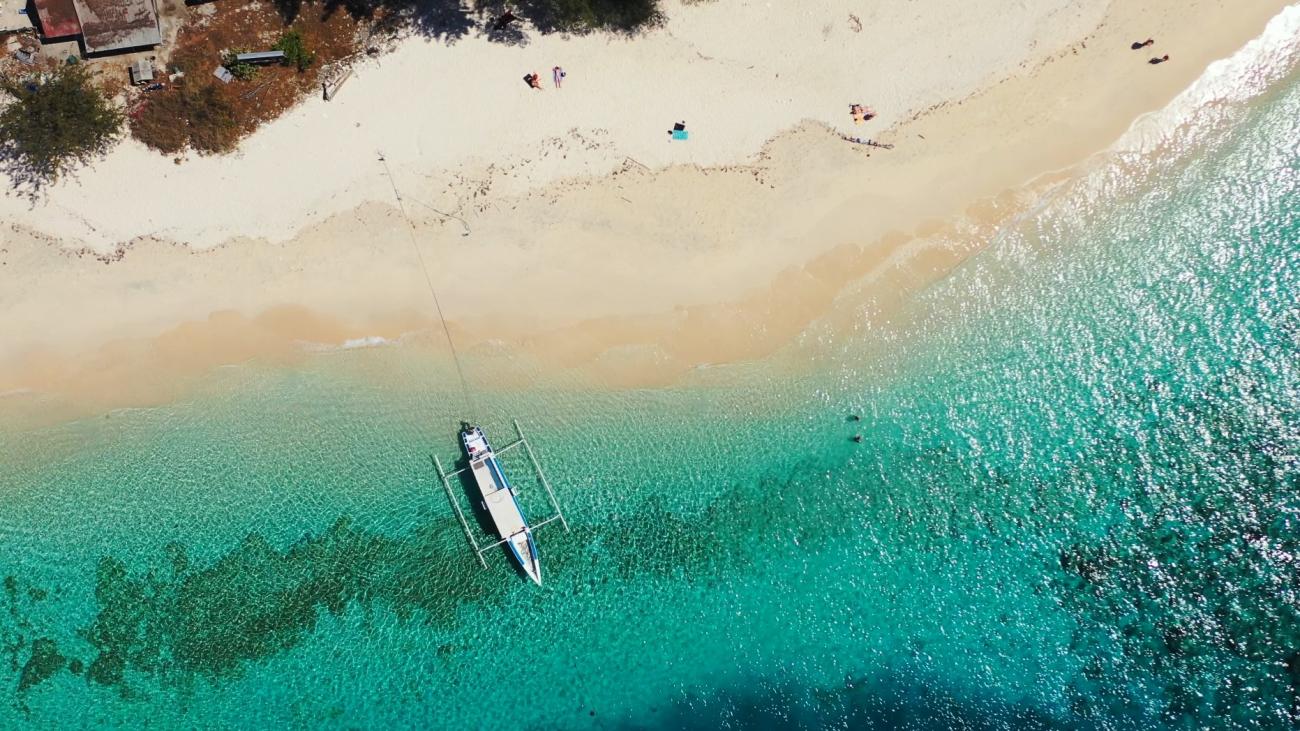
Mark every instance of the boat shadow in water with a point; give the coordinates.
(464, 487)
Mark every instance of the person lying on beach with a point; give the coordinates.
(534, 80)
(860, 113)
(1160, 59)
(1139, 45)
(557, 75)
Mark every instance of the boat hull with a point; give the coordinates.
(501, 504)
(525, 552)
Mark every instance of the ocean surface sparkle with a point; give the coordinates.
(1076, 505)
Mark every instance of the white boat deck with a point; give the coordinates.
(476, 444)
(500, 501)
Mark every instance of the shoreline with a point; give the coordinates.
(731, 272)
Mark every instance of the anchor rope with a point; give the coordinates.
(428, 279)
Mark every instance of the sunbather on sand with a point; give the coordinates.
(860, 113)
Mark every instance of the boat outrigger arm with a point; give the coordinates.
(499, 500)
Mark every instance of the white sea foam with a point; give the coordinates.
(369, 341)
(1161, 141)
(1246, 74)
(372, 341)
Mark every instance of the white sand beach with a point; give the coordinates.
(598, 231)
(737, 71)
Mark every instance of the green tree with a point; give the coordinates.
(55, 121)
(295, 53)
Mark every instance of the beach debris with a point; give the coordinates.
(23, 48)
(223, 73)
(868, 143)
(254, 91)
(678, 132)
(260, 57)
(330, 88)
(1159, 59)
(141, 71)
(1139, 45)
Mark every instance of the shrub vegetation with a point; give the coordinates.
(295, 53)
(241, 70)
(200, 117)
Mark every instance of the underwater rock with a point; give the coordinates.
(44, 662)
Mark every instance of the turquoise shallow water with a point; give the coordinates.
(1077, 504)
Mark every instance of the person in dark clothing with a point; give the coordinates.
(1139, 45)
(506, 19)
(1160, 59)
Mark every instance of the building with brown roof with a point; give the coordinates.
(105, 26)
(58, 18)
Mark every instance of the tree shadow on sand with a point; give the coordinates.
(25, 180)
(444, 20)
(586, 16)
(498, 21)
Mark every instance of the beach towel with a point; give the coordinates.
(681, 134)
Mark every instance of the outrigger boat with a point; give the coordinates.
(499, 498)
(500, 502)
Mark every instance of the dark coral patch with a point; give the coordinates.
(45, 661)
(179, 620)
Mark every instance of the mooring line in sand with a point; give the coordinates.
(463, 222)
(410, 232)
